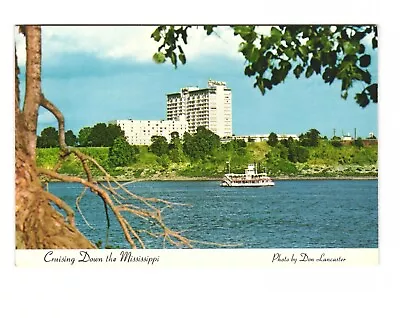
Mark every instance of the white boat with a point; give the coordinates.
(250, 178)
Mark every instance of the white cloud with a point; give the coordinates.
(45, 117)
(20, 46)
(133, 42)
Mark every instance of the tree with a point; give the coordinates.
(201, 144)
(48, 138)
(121, 153)
(358, 142)
(310, 138)
(159, 145)
(113, 132)
(70, 138)
(334, 52)
(84, 137)
(272, 139)
(99, 135)
(37, 223)
(336, 143)
(176, 148)
(302, 154)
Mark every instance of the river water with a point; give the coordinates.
(292, 214)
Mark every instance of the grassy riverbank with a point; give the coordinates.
(324, 161)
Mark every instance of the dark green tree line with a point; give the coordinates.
(100, 135)
(49, 138)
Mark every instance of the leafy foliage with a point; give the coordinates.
(333, 52)
(83, 137)
(202, 144)
(48, 138)
(70, 138)
(100, 135)
(175, 147)
(159, 145)
(272, 139)
(310, 138)
(122, 153)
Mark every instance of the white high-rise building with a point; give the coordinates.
(139, 132)
(210, 107)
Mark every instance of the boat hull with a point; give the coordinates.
(249, 185)
(249, 179)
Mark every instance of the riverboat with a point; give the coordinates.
(250, 178)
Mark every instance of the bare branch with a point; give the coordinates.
(62, 205)
(60, 118)
(77, 201)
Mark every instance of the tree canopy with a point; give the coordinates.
(272, 139)
(121, 153)
(159, 145)
(201, 144)
(100, 135)
(333, 52)
(70, 138)
(48, 138)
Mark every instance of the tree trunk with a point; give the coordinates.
(37, 224)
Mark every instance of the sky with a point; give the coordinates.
(103, 73)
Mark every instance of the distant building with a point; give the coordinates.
(259, 138)
(347, 137)
(139, 132)
(210, 107)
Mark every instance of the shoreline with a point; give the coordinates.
(182, 178)
(280, 178)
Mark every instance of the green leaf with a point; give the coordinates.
(182, 58)
(344, 94)
(267, 83)
(156, 35)
(249, 71)
(278, 75)
(209, 29)
(374, 43)
(184, 36)
(298, 70)
(242, 30)
(276, 35)
(173, 58)
(159, 57)
(366, 76)
(365, 60)
(265, 43)
(254, 54)
(362, 99)
(287, 36)
(373, 92)
(303, 50)
(309, 71)
(242, 46)
(350, 48)
(316, 65)
(331, 58)
(346, 83)
(260, 84)
(289, 52)
(329, 75)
